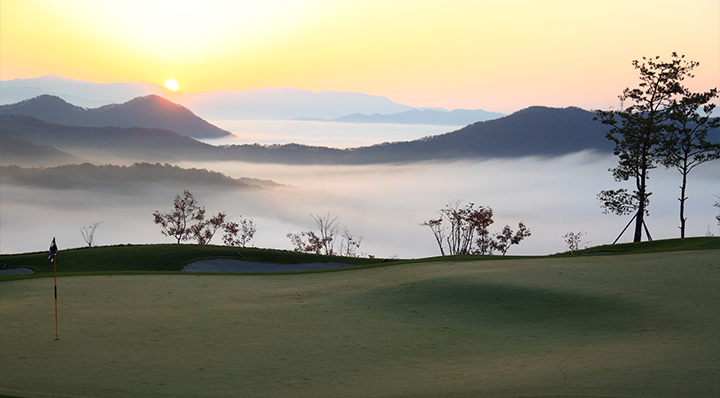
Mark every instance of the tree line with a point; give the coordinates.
(458, 230)
(188, 221)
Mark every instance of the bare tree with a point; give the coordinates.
(239, 234)
(328, 232)
(349, 244)
(323, 242)
(438, 230)
(574, 241)
(88, 233)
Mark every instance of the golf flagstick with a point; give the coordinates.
(53, 257)
(55, 277)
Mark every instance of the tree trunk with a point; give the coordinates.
(639, 219)
(682, 203)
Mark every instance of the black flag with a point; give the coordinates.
(53, 250)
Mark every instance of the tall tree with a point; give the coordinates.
(685, 145)
(638, 132)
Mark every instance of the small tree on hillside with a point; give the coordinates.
(507, 237)
(88, 233)
(205, 230)
(574, 241)
(349, 244)
(481, 219)
(465, 230)
(306, 242)
(457, 228)
(323, 242)
(438, 230)
(328, 229)
(239, 234)
(178, 223)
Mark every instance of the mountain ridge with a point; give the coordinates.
(151, 111)
(535, 131)
(457, 117)
(120, 178)
(25, 153)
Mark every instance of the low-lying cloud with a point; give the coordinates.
(385, 204)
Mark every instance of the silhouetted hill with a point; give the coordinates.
(458, 117)
(87, 176)
(20, 152)
(533, 131)
(536, 131)
(151, 111)
(100, 143)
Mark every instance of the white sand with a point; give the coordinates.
(15, 271)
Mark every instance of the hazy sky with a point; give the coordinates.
(493, 55)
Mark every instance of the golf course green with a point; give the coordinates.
(641, 324)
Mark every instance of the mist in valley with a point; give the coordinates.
(330, 134)
(383, 204)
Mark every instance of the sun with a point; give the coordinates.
(171, 84)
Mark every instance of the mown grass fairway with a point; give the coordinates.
(636, 325)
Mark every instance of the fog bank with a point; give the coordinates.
(385, 204)
(315, 133)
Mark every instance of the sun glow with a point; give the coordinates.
(171, 84)
(468, 54)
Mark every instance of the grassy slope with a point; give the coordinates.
(632, 325)
(158, 258)
(172, 258)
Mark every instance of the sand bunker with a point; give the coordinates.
(231, 265)
(15, 271)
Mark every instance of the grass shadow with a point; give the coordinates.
(483, 307)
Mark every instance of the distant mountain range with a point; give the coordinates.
(106, 144)
(150, 111)
(270, 103)
(536, 131)
(458, 117)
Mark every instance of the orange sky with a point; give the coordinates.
(493, 55)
